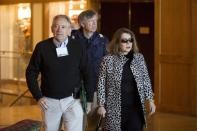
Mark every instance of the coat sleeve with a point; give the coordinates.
(106, 42)
(32, 72)
(147, 82)
(102, 83)
(86, 73)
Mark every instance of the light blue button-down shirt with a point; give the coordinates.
(62, 44)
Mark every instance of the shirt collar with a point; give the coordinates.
(60, 44)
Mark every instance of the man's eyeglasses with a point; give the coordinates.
(126, 40)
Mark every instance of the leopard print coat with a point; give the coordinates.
(109, 90)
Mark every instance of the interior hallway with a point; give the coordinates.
(175, 58)
(159, 122)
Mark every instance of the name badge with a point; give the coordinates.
(61, 51)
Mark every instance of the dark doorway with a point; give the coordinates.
(116, 14)
(113, 16)
(142, 23)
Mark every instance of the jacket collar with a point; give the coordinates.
(81, 35)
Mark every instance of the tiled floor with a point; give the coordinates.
(159, 122)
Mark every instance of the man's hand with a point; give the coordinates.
(89, 107)
(42, 102)
(101, 111)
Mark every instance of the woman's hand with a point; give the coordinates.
(152, 107)
(101, 111)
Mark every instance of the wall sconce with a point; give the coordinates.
(75, 8)
(70, 4)
(24, 11)
(24, 22)
(82, 4)
(24, 18)
(77, 5)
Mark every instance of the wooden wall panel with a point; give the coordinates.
(175, 27)
(173, 57)
(175, 87)
(194, 52)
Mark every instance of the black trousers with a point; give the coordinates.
(131, 119)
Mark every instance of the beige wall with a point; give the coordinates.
(37, 27)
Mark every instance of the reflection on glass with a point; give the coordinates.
(15, 40)
(71, 8)
(24, 22)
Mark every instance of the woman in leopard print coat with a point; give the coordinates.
(124, 85)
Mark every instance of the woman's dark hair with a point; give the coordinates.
(114, 45)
